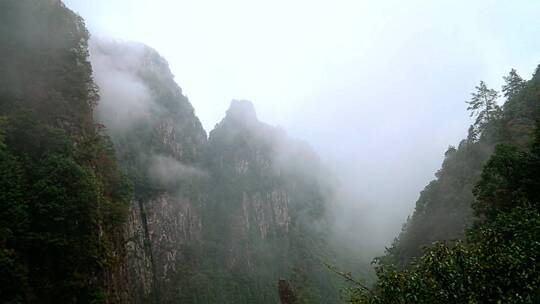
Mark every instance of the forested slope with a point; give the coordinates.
(443, 210)
(62, 199)
(193, 219)
(495, 260)
(217, 220)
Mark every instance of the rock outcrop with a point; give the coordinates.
(191, 219)
(158, 138)
(235, 211)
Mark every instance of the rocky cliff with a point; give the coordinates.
(217, 220)
(158, 140)
(192, 219)
(266, 210)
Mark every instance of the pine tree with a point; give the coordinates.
(483, 105)
(472, 135)
(513, 84)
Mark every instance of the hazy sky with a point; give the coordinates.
(377, 87)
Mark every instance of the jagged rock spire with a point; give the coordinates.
(242, 111)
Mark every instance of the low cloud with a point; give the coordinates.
(168, 171)
(125, 99)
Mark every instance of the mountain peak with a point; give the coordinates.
(242, 111)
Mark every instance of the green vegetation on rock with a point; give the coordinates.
(496, 261)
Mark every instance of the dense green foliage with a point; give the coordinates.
(62, 200)
(223, 219)
(497, 261)
(498, 264)
(444, 209)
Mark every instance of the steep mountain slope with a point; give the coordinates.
(62, 200)
(443, 210)
(265, 216)
(497, 260)
(158, 139)
(193, 219)
(217, 220)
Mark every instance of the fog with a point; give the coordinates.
(168, 170)
(124, 97)
(127, 103)
(378, 88)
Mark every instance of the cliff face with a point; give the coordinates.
(192, 220)
(235, 212)
(159, 231)
(253, 204)
(158, 139)
(265, 210)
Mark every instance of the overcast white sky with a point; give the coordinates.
(377, 87)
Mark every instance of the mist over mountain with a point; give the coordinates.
(244, 207)
(112, 191)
